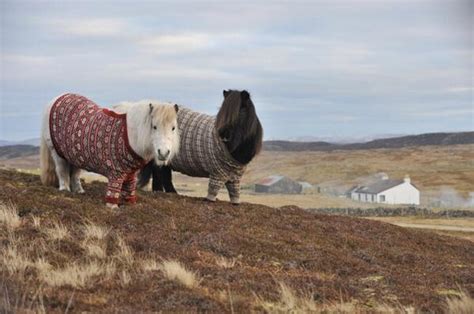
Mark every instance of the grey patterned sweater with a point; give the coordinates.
(203, 154)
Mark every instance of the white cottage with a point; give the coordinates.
(388, 191)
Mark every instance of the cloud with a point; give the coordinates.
(460, 89)
(94, 27)
(338, 118)
(26, 60)
(176, 43)
(324, 61)
(444, 113)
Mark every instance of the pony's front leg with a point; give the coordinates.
(129, 189)
(167, 179)
(213, 189)
(233, 187)
(112, 196)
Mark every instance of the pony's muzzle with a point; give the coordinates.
(162, 156)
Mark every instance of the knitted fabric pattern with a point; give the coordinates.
(203, 154)
(96, 139)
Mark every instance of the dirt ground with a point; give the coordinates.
(327, 258)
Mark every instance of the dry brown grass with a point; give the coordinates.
(125, 278)
(42, 265)
(224, 262)
(62, 268)
(94, 240)
(464, 304)
(14, 261)
(290, 302)
(150, 265)
(124, 252)
(9, 216)
(95, 250)
(93, 231)
(74, 275)
(36, 222)
(174, 270)
(57, 232)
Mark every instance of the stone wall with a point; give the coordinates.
(387, 212)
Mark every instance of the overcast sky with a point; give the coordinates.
(313, 68)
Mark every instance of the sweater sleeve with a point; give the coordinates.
(215, 184)
(114, 189)
(233, 187)
(129, 187)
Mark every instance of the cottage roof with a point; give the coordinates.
(379, 186)
(270, 180)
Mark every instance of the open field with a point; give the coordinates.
(66, 252)
(433, 169)
(457, 227)
(430, 167)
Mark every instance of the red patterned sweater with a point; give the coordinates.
(95, 139)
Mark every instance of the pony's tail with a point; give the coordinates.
(48, 172)
(145, 174)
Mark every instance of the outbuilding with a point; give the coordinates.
(278, 184)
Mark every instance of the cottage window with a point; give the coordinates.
(382, 198)
(373, 198)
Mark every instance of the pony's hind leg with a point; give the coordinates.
(233, 187)
(62, 171)
(76, 185)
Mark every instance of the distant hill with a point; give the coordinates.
(396, 142)
(30, 141)
(15, 151)
(29, 147)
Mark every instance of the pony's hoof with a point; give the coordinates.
(65, 189)
(234, 201)
(205, 199)
(112, 206)
(79, 191)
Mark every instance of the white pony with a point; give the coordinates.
(77, 134)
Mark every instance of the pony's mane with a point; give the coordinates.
(140, 119)
(164, 114)
(238, 125)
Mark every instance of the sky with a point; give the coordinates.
(314, 68)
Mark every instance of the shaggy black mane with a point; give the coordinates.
(238, 126)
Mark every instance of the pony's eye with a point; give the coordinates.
(154, 127)
(173, 128)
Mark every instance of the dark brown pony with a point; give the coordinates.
(238, 127)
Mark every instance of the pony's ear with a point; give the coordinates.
(226, 93)
(244, 95)
(176, 108)
(151, 108)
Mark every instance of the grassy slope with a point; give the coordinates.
(325, 257)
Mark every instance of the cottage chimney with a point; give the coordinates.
(407, 179)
